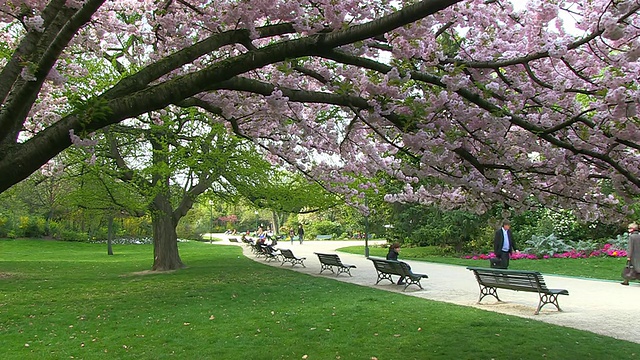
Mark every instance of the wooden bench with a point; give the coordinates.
(324, 237)
(287, 256)
(329, 261)
(232, 239)
(490, 280)
(386, 268)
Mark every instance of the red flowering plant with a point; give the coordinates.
(552, 247)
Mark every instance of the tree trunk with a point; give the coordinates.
(165, 238)
(110, 236)
(276, 222)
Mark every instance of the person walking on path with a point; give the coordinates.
(503, 244)
(292, 234)
(633, 251)
(300, 233)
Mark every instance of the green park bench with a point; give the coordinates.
(386, 268)
(490, 280)
(324, 237)
(330, 261)
(287, 256)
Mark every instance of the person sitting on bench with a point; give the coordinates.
(394, 250)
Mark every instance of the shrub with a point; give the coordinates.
(426, 236)
(546, 245)
(31, 227)
(324, 227)
(621, 241)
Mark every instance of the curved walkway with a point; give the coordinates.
(599, 306)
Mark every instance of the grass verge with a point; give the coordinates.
(70, 300)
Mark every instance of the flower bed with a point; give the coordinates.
(607, 251)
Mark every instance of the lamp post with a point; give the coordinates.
(210, 221)
(366, 236)
(366, 230)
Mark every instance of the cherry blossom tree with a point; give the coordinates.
(468, 103)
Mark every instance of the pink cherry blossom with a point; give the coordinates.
(466, 103)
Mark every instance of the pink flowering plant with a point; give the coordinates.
(551, 247)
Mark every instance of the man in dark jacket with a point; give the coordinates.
(503, 245)
(394, 250)
(300, 233)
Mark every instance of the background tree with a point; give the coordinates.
(286, 193)
(101, 198)
(173, 158)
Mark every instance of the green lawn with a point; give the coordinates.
(605, 268)
(63, 300)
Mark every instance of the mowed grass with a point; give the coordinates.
(63, 300)
(604, 268)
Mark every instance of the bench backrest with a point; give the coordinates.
(389, 266)
(267, 249)
(287, 253)
(510, 279)
(329, 259)
(324, 237)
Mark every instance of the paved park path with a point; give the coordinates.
(599, 306)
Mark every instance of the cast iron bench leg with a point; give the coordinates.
(488, 290)
(382, 276)
(547, 299)
(324, 267)
(409, 281)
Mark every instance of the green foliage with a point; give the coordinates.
(481, 243)
(546, 245)
(90, 110)
(71, 235)
(4, 228)
(406, 252)
(5, 50)
(31, 227)
(427, 235)
(135, 226)
(24, 226)
(620, 242)
(423, 226)
(190, 228)
(323, 227)
(282, 191)
(563, 224)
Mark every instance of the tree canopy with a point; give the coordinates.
(467, 103)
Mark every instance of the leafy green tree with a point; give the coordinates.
(285, 193)
(172, 158)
